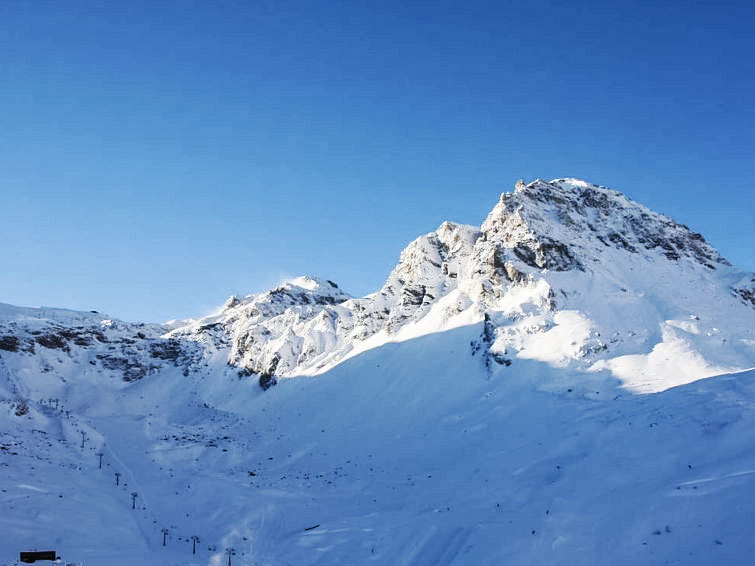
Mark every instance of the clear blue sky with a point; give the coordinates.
(156, 157)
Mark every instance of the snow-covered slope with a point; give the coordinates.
(488, 404)
(409, 454)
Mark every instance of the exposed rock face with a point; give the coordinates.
(429, 268)
(12, 343)
(128, 351)
(745, 290)
(562, 225)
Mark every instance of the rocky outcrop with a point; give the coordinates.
(562, 224)
(128, 351)
(745, 290)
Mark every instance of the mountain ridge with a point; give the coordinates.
(529, 274)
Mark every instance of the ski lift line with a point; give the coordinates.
(134, 484)
(105, 448)
(131, 475)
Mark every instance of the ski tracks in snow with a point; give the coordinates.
(438, 547)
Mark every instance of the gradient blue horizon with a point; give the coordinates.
(158, 157)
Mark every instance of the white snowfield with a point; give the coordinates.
(530, 391)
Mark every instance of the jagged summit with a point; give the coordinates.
(561, 272)
(568, 223)
(304, 289)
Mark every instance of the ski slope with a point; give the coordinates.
(413, 453)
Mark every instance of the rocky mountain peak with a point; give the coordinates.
(434, 256)
(569, 224)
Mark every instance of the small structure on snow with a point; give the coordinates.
(32, 556)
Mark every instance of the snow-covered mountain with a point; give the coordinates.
(565, 272)
(544, 327)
